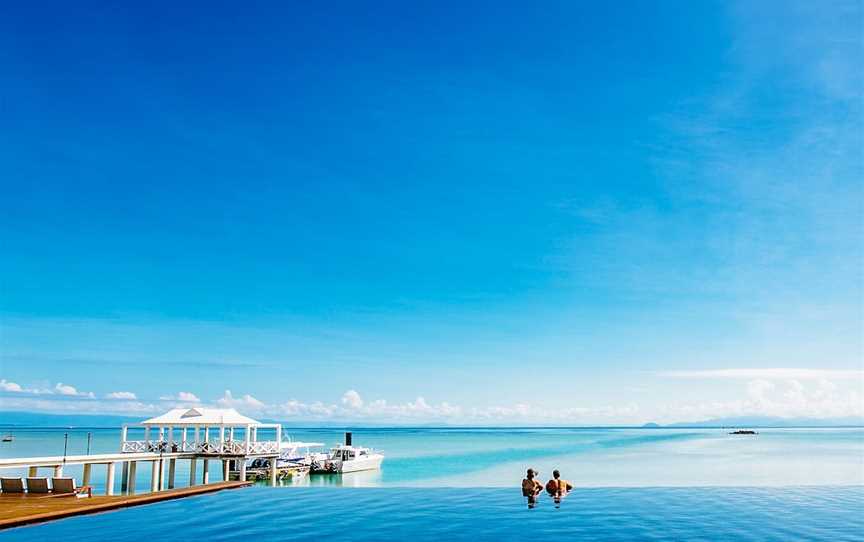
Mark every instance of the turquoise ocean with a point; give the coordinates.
(661, 484)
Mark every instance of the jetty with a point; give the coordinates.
(197, 435)
(20, 510)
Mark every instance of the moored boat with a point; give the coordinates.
(348, 458)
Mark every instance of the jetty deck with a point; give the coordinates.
(18, 510)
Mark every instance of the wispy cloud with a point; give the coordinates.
(769, 374)
(788, 398)
(125, 395)
(183, 396)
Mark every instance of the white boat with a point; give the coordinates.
(295, 460)
(348, 458)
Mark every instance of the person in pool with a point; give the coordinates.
(530, 486)
(558, 487)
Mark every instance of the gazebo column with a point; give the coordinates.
(109, 479)
(123, 434)
(183, 441)
(221, 439)
(147, 438)
(248, 436)
(273, 470)
(133, 470)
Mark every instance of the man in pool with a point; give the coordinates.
(530, 486)
(558, 487)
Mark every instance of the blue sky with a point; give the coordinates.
(466, 212)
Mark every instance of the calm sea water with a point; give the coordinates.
(380, 514)
(436, 484)
(587, 457)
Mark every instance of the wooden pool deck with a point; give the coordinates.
(18, 510)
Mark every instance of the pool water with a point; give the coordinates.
(419, 514)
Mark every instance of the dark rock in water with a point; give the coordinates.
(743, 432)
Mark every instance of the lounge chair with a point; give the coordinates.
(66, 486)
(12, 485)
(38, 486)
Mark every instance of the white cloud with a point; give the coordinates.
(184, 396)
(128, 395)
(352, 407)
(54, 403)
(352, 399)
(246, 401)
(776, 398)
(5, 385)
(65, 389)
(769, 374)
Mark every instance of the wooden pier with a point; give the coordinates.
(18, 510)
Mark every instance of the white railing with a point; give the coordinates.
(216, 447)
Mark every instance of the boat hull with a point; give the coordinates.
(372, 462)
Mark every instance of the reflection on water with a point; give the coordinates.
(367, 478)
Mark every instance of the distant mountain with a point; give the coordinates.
(768, 421)
(651, 425)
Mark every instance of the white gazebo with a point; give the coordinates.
(206, 433)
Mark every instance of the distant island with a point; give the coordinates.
(766, 421)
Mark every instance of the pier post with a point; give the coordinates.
(161, 474)
(154, 477)
(193, 464)
(172, 467)
(124, 477)
(226, 468)
(32, 471)
(242, 468)
(85, 479)
(133, 467)
(58, 471)
(205, 478)
(109, 479)
(273, 470)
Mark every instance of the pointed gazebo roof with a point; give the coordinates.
(201, 416)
